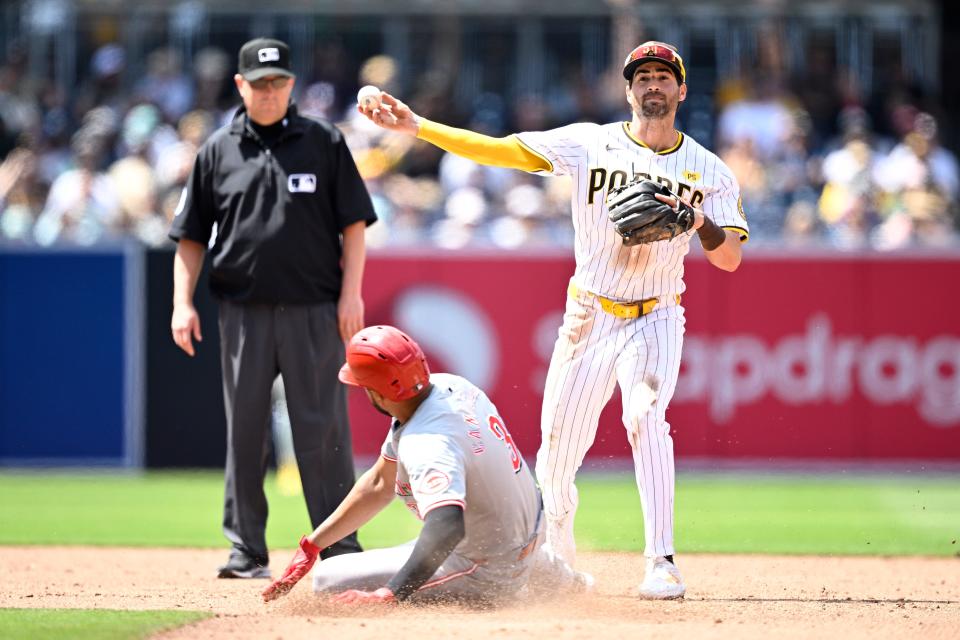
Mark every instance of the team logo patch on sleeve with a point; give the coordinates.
(434, 482)
(740, 208)
(302, 183)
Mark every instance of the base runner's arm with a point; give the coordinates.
(443, 529)
(368, 497)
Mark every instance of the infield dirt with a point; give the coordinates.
(738, 597)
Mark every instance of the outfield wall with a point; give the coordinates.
(810, 357)
(71, 359)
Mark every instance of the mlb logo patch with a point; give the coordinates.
(302, 183)
(269, 54)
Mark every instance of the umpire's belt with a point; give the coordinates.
(619, 308)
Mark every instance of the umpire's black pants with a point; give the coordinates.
(301, 343)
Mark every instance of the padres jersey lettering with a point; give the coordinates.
(601, 157)
(599, 182)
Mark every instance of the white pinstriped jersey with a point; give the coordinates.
(455, 449)
(601, 157)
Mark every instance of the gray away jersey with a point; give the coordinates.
(601, 157)
(456, 450)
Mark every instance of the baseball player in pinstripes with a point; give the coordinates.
(623, 322)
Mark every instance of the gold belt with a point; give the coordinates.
(618, 308)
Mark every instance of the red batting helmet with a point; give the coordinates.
(386, 360)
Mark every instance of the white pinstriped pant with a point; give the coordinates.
(594, 351)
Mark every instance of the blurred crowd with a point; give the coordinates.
(856, 184)
(109, 160)
(819, 164)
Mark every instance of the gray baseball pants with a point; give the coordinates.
(458, 578)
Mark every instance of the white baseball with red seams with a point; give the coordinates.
(596, 350)
(369, 97)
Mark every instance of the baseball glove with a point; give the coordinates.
(640, 218)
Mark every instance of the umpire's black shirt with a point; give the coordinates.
(280, 201)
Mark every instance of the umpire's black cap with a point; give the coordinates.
(264, 57)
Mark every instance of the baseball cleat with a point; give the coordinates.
(241, 565)
(662, 582)
(583, 582)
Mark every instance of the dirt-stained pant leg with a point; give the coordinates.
(458, 578)
(366, 571)
(579, 383)
(647, 370)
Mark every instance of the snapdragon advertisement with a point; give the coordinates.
(854, 357)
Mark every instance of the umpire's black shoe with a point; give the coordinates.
(240, 565)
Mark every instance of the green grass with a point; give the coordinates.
(170, 509)
(720, 513)
(789, 514)
(89, 624)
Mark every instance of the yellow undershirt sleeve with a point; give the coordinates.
(506, 152)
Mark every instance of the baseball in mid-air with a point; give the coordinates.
(369, 97)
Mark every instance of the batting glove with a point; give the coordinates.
(300, 566)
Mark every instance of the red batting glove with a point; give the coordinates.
(300, 566)
(383, 595)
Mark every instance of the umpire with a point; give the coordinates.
(287, 208)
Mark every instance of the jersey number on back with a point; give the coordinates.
(500, 431)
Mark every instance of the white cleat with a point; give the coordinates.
(583, 582)
(663, 581)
